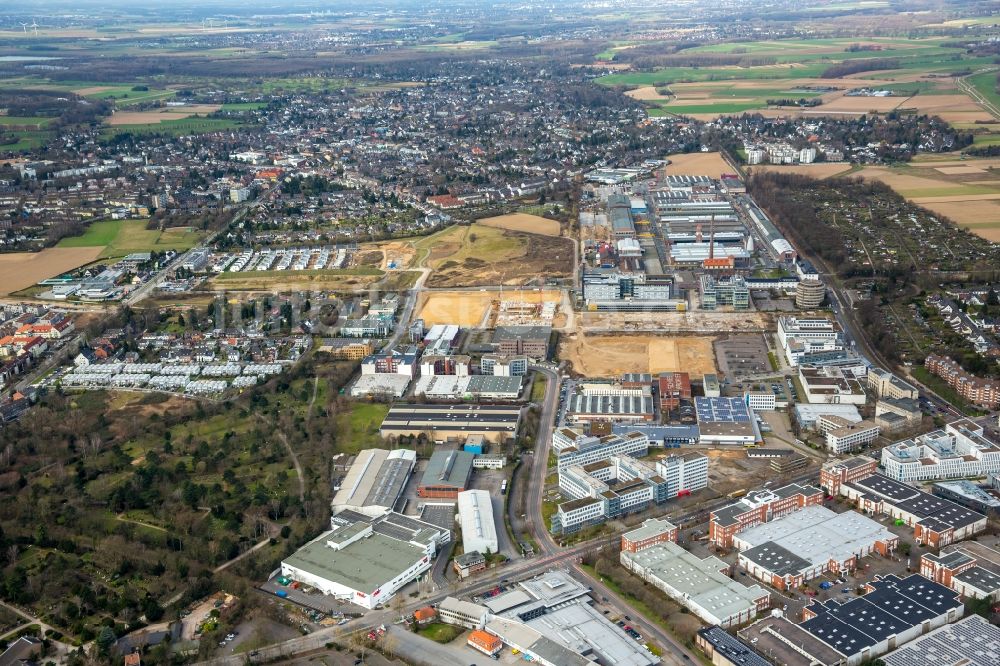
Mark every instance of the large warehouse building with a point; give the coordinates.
(479, 527)
(495, 423)
(702, 586)
(363, 560)
(447, 475)
(374, 481)
(787, 552)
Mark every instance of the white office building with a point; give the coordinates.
(960, 450)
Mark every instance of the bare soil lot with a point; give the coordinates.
(698, 164)
(20, 270)
(478, 255)
(523, 222)
(470, 308)
(646, 94)
(611, 356)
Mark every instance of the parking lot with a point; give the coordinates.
(490, 481)
(742, 356)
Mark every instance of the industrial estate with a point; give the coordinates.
(461, 333)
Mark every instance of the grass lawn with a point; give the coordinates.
(939, 386)
(538, 388)
(121, 237)
(360, 426)
(441, 633)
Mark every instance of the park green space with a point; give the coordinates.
(122, 237)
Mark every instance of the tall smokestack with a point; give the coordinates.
(711, 239)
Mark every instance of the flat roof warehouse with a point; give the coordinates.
(454, 417)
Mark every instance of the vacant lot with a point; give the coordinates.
(158, 116)
(282, 281)
(530, 224)
(477, 255)
(116, 238)
(698, 164)
(610, 356)
(20, 270)
(470, 308)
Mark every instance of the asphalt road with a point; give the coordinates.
(533, 469)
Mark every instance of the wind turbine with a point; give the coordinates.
(24, 26)
(34, 26)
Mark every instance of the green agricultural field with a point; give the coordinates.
(24, 121)
(986, 84)
(802, 59)
(720, 107)
(122, 237)
(193, 125)
(244, 106)
(26, 140)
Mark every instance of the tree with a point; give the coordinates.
(105, 640)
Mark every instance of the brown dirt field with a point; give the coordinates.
(904, 182)
(982, 163)
(698, 164)
(607, 356)
(92, 90)
(523, 222)
(159, 116)
(960, 171)
(20, 270)
(401, 252)
(469, 308)
(646, 94)
(838, 103)
(970, 214)
(956, 198)
(818, 170)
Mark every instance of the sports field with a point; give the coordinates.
(116, 238)
(531, 224)
(612, 356)
(20, 270)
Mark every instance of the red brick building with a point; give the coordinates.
(652, 532)
(758, 507)
(838, 472)
(979, 391)
(673, 387)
